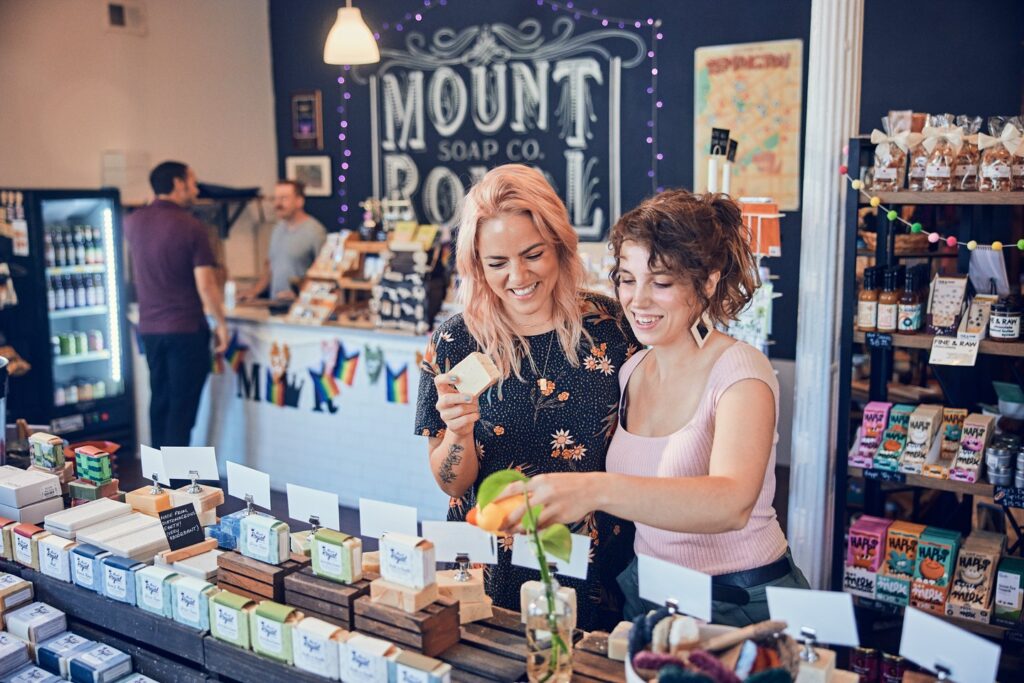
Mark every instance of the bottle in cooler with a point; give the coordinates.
(59, 295)
(59, 395)
(99, 389)
(48, 249)
(84, 390)
(95, 340)
(69, 291)
(90, 291)
(55, 345)
(97, 238)
(51, 296)
(64, 340)
(71, 393)
(101, 290)
(81, 299)
(82, 342)
(59, 249)
(80, 245)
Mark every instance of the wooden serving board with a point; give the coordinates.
(430, 631)
(328, 600)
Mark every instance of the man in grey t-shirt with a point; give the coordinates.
(294, 244)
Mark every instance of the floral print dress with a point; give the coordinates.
(560, 418)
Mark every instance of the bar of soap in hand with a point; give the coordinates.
(476, 373)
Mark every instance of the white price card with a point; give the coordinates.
(304, 503)
(452, 538)
(961, 350)
(153, 464)
(936, 644)
(829, 614)
(376, 517)
(180, 460)
(577, 566)
(244, 481)
(661, 581)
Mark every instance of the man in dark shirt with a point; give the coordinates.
(175, 281)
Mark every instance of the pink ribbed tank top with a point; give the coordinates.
(687, 453)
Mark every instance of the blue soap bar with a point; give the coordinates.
(54, 654)
(85, 567)
(101, 664)
(231, 526)
(31, 674)
(119, 578)
(225, 539)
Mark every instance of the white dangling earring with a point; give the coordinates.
(702, 329)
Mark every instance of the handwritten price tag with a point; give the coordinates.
(960, 351)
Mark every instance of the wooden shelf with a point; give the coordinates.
(949, 198)
(79, 312)
(993, 631)
(361, 285)
(976, 489)
(924, 341)
(371, 247)
(870, 253)
(82, 358)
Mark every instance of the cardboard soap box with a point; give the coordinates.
(20, 488)
(407, 560)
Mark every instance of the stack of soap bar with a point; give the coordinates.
(32, 674)
(474, 603)
(302, 542)
(36, 622)
(231, 526)
(55, 557)
(101, 664)
(65, 474)
(975, 435)
(271, 630)
(86, 570)
(365, 659)
(337, 556)
(970, 593)
(6, 538)
(896, 572)
(26, 544)
(14, 592)
(412, 666)
(136, 678)
(67, 523)
(13, 653)
(316, 646)
(133, 535)
(153, 590)
(28, 495)
(93, 464)
(225, 539)
(231, 617)
(203, 566)
(265, 539)
(119, 578)
(205, 501)
(140, 545)
(55, 654)
(149, 500)
(191, 602)
(47, 451)
(83, 489)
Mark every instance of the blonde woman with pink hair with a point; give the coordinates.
(558, 349)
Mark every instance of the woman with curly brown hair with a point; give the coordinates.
(692, 462)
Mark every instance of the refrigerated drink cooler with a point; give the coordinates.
(69, 322)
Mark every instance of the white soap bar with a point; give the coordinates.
(407, 560)
(476, 373)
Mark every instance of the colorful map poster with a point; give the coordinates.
(754, 90)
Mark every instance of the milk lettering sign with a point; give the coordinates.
(447, 107)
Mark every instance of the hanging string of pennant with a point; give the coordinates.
(916, 228)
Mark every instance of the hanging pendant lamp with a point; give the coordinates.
(350, 40)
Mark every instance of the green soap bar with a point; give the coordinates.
(336, 556)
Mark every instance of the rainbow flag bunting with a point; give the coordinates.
(217, 362)
(325, 385)
(398, 385)
(235, 353)
(275, 391)
(345, 366)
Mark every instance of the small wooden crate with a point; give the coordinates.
(324, 599)
(254, 579)
(430, 631)
(491, 650)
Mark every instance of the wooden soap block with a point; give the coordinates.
(371, 562)
(476, 373)
(618, 641)
(475, 611)
(205, 500)
(83, 489)
(47, 451)
(149, 500)
(463, 591)
(252, 578)
(322, 598)
(819, 671)
(404, 598)
(431, 630)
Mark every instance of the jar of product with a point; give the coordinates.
(84, 390)
(1004, 321)
(59, 395)
(99, 389)
(864, 663)
(910, 307)
(66, 344)
(1000, 476)
(998, 457)
(55, 344)
(893, 668)
(1018, 479)
(867, 302)
(71, 394)
(888, 303)
(95, 340)
(82, 342)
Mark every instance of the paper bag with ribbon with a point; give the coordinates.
(997, 154)
(942, 144)
(965, 168)
(890, 153)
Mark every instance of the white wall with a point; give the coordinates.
(196, 87)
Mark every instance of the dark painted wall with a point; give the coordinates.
(903, 43)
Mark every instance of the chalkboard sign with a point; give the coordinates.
(878, 340)
(1010, 497)
(883, 475)
(181, 526)
(719, 141)
(878, 605)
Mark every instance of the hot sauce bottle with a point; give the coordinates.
(867, 301)
(888, 302)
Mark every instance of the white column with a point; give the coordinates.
(833, 106)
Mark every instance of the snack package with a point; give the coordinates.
(995, 170)
(1017, 168)
(942, 142)
(965, 169)
(891, 148)
(917, 157)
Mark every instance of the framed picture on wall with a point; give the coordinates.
(307, 120)
(313, 172)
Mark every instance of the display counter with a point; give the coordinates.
(327, 407)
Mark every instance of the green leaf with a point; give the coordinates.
(528, 522)
(557, 541)
(493, 486)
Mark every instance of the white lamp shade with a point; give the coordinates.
(350, 40)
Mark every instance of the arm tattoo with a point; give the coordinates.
(446, 474)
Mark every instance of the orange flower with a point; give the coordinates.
(505, 542)
(564, 396)
(498, 430)
(599, 351)
(547, 387)
(556, 453)
(425, 432)
(631, 350)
